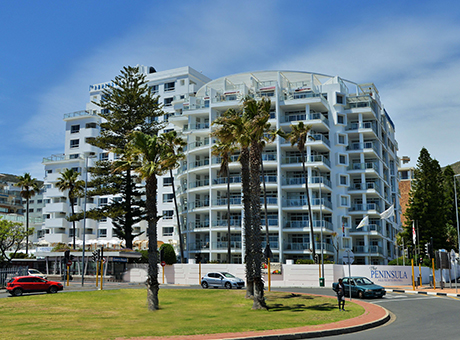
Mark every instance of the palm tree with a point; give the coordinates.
(258, 114)
(298, 136)
(232, 125)
(29, 187)
(69, 182)
(225, 150)
(175, 145)
(151, 156)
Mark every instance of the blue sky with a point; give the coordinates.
(51, 51)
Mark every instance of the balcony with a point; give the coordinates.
(220, 245)
(311, 159)
(295, 224)
(60, 158)
(197, 184)
(300, 202)
(81, 113)
(193, 127)
(197, 245)
(224, 223)
(223, 180)
(198, 225)
(364, 166)
(224, 201)
(304, 117)
(198, 144)
(363, 126)
(363, 147)
(366, 207)
(367, 228)
(198, 204)
(368, 250)
(365, 186)
(306, 246)
(197, 164)
(311, 180)
(274, 245)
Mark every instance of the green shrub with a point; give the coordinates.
(169, 253)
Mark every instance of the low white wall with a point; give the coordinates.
(292, 275)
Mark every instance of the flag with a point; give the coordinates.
(414, 236)
(388, 213)
(343, 229)
(364, 221)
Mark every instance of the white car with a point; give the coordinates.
(35, 272)
(221, 279)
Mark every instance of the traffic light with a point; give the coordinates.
(67, 255)
(162, 254)
(410, 253)
(427, 249)
(198, 258)
(420, 260)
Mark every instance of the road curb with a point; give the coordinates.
(422, 292)
(318, 334)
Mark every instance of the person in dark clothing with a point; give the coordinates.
(340, 290)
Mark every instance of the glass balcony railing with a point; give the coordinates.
(364, 166)
(311, 159)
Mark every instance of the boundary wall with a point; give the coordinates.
(292, 275)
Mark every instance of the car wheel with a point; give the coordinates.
(228, 285)
(204, 284)
(17, 292)
(361, 295)
(53, 290)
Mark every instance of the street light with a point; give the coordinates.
(86, 156)
(456, 211)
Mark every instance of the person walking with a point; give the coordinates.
(340, 290)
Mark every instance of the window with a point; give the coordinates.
(89, 139)
(340, 119)
(167, 181)
(168, 214)
(49, 171)
(154, 89)
(74, 156)
(168, 101)
(74, 143)
(75, 129)
(103, 219)
(169, 86)
(167, 130)
(76, 169)
(343, 180)
(168, 198)
(182, 82)
(344, 201)
(39, 209)
(339, 99)
(39, 201)
(31, 201)
(31, 210)
(343, 159)
(117, 199)
(168, 231)
(103, 201)
(102, 233)
(104, 156)
(91, 125)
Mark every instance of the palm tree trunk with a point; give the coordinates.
(245, 179)
(267, 235)
(27, 226)
(73, 221)
(229, 247)
(152, 281)
(255, 163)
(310, 216)
(181, 245)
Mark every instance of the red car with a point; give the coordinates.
(28, 284)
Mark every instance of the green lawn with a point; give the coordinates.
(123, 313)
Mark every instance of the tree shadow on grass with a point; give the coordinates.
(297, 307)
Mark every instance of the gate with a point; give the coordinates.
(7, 274)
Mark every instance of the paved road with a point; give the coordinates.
(415, 317)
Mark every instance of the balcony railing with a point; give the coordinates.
(311, 159)
(300, 202)
(304, 116)
(362, 146)
(197, 164)
(223, 180)
(201, 126)
(197, 184)
(306, 246)
(368, 250)
(224, 223)
(364, 166)
(365, 207)
(273, 244)
(198, 225)
(367, 228)
(363, 125)
(224, 245)
(311, 180)
(80, 113)
(223, 201)
(305, 224)
(198, 204)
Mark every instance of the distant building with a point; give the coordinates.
(406, 175)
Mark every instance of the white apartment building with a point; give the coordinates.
(352, 167)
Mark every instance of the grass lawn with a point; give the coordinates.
(123, 313)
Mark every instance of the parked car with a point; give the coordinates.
(361, 287)
(28, 284)
(221, 279)
(35, 272)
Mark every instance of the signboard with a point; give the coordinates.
(163, 263)
(348, 257)
(119, 259)
(69, 263)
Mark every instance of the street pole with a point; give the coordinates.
(321, 224)
(86, 155)
(456, 212)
